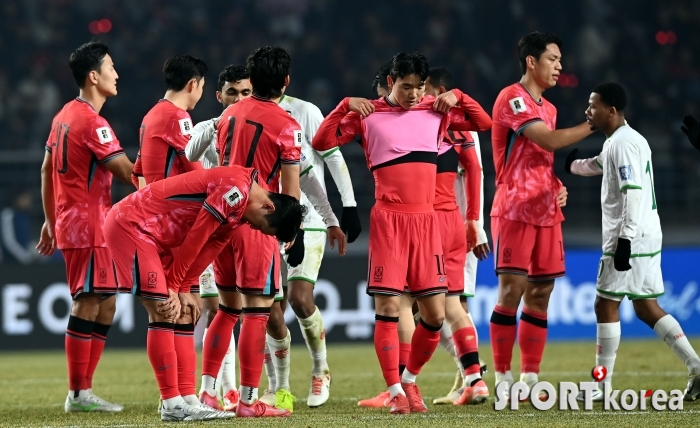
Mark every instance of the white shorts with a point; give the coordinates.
(643, 281)
(207, 285)
(470, 266)
(314, 247)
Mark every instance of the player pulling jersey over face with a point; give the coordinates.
(400, 136)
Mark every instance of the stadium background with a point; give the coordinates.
(651, 47)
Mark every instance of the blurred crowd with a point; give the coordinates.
(650, 47)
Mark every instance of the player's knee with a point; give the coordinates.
(86, 307)
(302, 306)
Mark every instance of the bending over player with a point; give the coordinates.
(197, 212)
(631, 262)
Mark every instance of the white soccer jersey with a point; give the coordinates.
(310, 118)
(202, 144)
(627, 167)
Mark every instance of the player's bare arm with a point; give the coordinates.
(558, 139)
(122, 168)
(290, 180)
(361, 106)
(47, 241)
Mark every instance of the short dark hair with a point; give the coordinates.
(180, 69)
(439, 76)
(534, 44)
(87, 58)
(379, 80)
(268, 68)
(403, 64)
(612, 95)
(232, 73)
(286, 217)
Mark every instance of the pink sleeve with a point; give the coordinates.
(197, 237)
(100, 139)
(289, 142)
(227, 200)
(338, 128)
(468, 115)
(517, 112)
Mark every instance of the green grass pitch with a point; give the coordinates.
(33, 386)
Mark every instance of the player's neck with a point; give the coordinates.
(90, 95)
(275, 100)
(617, 124)
(532, 87)
(178, 98)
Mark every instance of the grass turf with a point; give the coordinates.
(34, 387)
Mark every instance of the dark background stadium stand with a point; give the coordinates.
(650, 47)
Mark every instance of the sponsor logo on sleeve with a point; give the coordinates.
(625, 172)
(298, 136)
(185, 126)
(517, 104)
(105, 135)
(233, 196)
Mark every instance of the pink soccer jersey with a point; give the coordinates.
(164, 134)
(80, 143)
(526, 187)
(401, 146)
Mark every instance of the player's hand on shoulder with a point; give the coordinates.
(622, 255)
(335, 233)
(562, 196)
(444, 102)
(570, 158)
(691, 128)
(361, 106)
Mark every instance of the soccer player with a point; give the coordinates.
(254, 132)
(631, 262)
(196, 212)
(691, 128)
(165, 131)
(166, 128)
(233, 86)
(461, 340)
(379, 84)
(301, 278)
(401, 135)
(82, 155)
(526, 217)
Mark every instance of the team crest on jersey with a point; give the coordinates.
(105, 135)
(185, 126)
(518, 105)
(625, 172)
(298, 138)
(233, 196)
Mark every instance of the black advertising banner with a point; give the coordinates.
(35, 305)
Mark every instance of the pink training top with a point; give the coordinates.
(401, 146)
